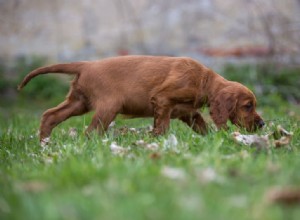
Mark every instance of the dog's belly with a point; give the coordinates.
(147, 111)
(183, 109)
(135, 109)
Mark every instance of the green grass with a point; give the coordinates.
(77, 178)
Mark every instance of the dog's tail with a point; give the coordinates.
(65, 68)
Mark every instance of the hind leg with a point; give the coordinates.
(101, 120)
(52, 117)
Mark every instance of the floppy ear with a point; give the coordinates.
(222, 108)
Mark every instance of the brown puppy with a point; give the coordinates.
(149, 86)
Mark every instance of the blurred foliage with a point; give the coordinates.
(45, 87)
(267, 81)
(3, 82)
(41, 88)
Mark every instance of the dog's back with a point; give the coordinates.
(130, 81)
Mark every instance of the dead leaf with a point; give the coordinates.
(283, 132)
(232, 172)
(282, 137)
(173, 173)
(260, 142)
(155, 156)
(282, 141)
(33, 186)
(123, 130)
(283, 196)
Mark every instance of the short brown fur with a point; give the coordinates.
(149, 86)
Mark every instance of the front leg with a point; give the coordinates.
(162, 113)
(196, 122)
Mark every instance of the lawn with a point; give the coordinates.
(128, 174)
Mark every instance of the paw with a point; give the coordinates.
(157, 132)
(44, 142)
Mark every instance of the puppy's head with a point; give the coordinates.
(245, 114)
(237, 104)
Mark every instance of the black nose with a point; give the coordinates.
(260, 123)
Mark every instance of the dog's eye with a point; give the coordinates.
(248, 107)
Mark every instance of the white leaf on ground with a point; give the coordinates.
(151, 146)
(48, 160)
(280, 137)
(104, 141)
(172, 140)
(118, 150)
(207, 175)
(251, 140)
(171, 143)
(112, 124)
(133, 130)
(173, 173)
(140, 143)
(72, 132)
(228, 156)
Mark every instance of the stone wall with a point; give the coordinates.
(88, 29)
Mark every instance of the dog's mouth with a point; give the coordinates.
(258, 124)
(252, 126)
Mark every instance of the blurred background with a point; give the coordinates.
(252, 41)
